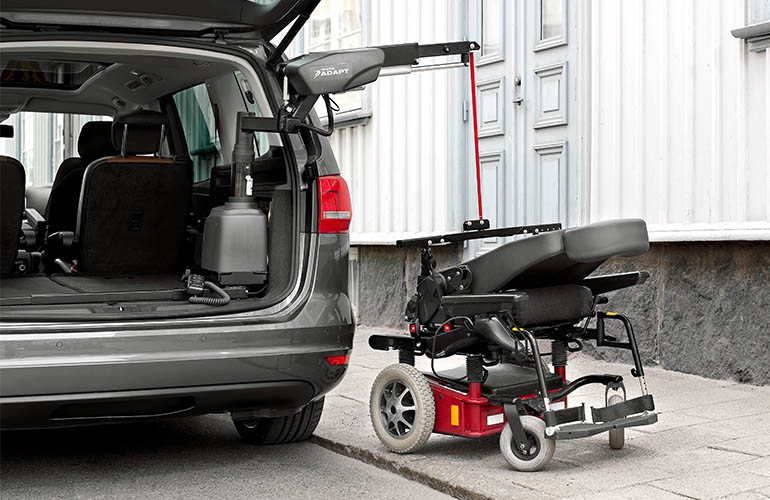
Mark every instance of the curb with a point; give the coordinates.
(382, 462)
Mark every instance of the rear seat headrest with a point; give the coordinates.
(139, 132)
(95, 141)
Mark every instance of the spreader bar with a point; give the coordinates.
(476, 235)
(408, 54)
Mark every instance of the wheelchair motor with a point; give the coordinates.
(493, 310)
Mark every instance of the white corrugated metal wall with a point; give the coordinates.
(679, 120)
(401, 163)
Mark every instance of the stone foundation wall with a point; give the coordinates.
(388, 277)
(705, 309)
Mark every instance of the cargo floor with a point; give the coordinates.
(23, 289)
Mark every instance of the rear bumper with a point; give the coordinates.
(84, 394)
(63, 410)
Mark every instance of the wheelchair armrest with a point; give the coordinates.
(38, 225)
(34, 218)
(471, 305)
(611, 282)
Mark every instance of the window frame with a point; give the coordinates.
(495, 56)
(555, 41)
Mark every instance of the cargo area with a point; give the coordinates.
(131, 189)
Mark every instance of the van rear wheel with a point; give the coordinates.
(279, 430)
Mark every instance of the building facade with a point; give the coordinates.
(588, 111)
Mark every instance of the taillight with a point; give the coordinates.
(337, 360)
(335, 205)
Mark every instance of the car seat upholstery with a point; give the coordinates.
(133, 209)
(94, 142)
(12, 180)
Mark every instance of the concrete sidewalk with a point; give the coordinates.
(712, 440)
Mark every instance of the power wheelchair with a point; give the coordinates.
(492, 310)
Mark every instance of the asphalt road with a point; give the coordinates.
(187, 458)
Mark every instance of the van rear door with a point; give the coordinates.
(252, 19)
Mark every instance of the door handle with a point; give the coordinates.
(517, 98)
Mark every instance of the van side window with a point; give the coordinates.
(200, 131)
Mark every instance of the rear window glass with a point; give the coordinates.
(42, 141)
(200, 130)
(61, 75)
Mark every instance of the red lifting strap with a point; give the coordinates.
(476, 133)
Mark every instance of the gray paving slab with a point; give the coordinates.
(635, 492)
(759, 466)
(713, 484)
(712, 440)
(757, 444)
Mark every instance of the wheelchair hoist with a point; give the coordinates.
(493, 310)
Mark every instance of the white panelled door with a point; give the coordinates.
(531, 76)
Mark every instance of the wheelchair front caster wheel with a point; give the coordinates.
(402, 408)
(617, 436)
(540, 450)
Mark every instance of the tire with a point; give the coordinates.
(617, 436)
(540, 453)
(401, 408)
(280, 430)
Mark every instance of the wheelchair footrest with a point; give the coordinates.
(575, 431)
(624, 409)
(631, 413)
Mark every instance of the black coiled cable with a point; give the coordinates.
(222, 300)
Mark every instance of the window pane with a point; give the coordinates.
(337, 24)
(551, 19)
(351, 41)
(491, 37)
(759, 11)
(40, 143)
(62, 75)
(320, 24)
(200, 131)
(349, 16)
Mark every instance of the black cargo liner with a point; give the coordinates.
(62, 289)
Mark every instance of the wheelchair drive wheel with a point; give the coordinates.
(540, 451)
(617, 436)
(401, 408)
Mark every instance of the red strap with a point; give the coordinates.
(476, 134)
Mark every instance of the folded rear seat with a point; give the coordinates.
(133, 209)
